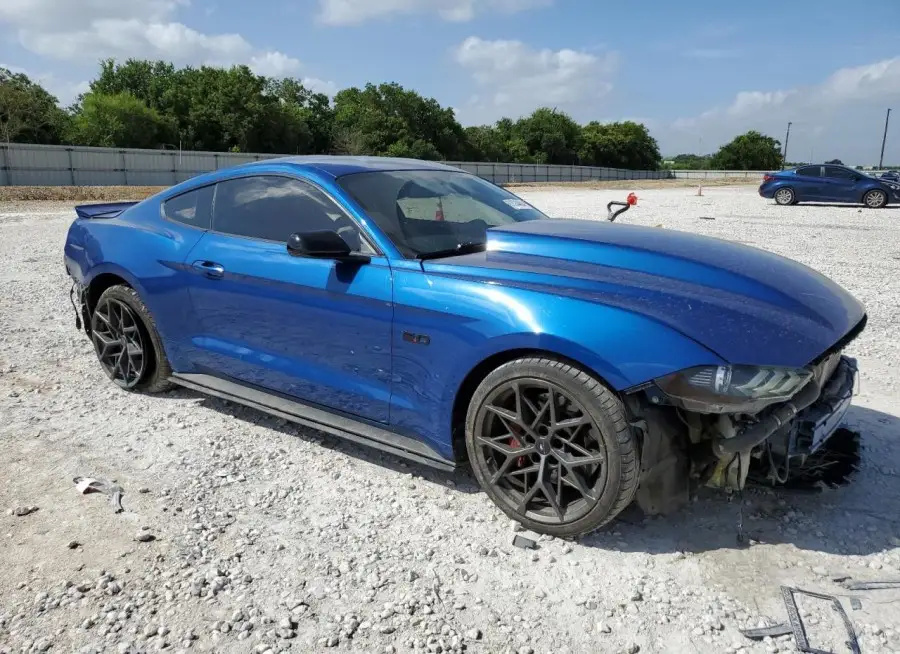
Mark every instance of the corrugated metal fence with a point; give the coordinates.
(55, 165)
(51, 165)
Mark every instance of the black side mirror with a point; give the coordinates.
(324, 244)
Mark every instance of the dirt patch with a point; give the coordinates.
(122, 193)
(638, 184)
(77, 193)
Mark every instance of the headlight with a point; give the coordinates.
(732, 389)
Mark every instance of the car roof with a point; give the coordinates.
(346, 165)
(327, 165)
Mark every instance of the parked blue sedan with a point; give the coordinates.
(829, 183)
(574, 365)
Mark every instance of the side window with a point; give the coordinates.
(191, 208)
(810, 171)
(836, 172)
(272, 208)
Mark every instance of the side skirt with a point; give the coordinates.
(321, 419)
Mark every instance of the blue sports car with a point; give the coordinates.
(576, 366)
(829, 183)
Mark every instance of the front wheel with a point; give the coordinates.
(875, 199)
(551, 446)
(785, 196)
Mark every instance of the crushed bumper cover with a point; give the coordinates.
(815, 424)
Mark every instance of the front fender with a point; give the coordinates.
(468, 322)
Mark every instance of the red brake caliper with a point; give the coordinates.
(514, 442)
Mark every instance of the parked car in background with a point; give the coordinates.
(574, 365)
(891, 175)
(829, 183)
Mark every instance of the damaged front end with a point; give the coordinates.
(708, 425)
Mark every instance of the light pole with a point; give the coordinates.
(787, 137)
(884, 139)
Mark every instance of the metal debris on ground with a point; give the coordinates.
(797, 624)
(86, 485)
(524, 543)
(855, 603)
(884, 584)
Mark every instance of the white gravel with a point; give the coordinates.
(269, 537)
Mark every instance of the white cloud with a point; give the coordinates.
(842, 117)
(515, 79)
(274, 64)
(87, 30)
(355, 12)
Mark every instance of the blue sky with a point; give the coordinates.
(697, 72)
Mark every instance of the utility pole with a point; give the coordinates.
(786, 139)
(884, 139)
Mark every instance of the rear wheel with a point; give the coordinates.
(785, 196)
(875, 199)
(126, 342)
(551, 446)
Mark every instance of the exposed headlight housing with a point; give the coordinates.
(732, 389)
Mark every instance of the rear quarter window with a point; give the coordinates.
(192, 208)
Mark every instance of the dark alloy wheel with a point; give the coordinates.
(118, 342)
(126, 342)
(550, 445)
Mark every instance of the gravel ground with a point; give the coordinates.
(242, 533)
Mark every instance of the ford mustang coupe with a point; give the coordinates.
(576, 366)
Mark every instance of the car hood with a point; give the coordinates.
(747, 305)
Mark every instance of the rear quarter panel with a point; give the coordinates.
(148, 252)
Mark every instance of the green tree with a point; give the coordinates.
(119, 120)
(750, 151)
(620, 145)
(387, 119)
(550, 136)
(691, 161)
(28, 113)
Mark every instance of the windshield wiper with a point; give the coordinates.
(468, 247)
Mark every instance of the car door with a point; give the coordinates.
(839, 184)
(809, 183)
(315, 329)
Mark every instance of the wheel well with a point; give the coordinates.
(99, 284)
(477, 375)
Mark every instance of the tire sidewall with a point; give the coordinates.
(603, 421)
(149, 336)
(881, 193)
(789, 190)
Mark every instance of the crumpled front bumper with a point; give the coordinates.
(815, 424)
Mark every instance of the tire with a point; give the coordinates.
(601, 472)
(785, 196)
(121, 322)
(875, 199)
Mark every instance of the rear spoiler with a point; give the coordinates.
(107, 210)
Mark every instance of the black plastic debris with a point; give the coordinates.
(885, 584)
(774, 631)
(524, 543)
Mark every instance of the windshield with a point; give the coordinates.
(432, 211)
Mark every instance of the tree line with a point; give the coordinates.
(153, 104)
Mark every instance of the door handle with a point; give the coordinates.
(211, 269)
